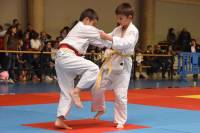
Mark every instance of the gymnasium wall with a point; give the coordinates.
(177, 15)
(10, 9)
(64, 12)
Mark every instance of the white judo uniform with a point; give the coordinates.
(68, 65)
(119, 78)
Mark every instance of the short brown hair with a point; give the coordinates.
(90, 13)
(125, 9)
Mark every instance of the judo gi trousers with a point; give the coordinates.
(119, 83)
(68, 66)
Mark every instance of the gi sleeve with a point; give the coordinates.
(126, 42)
(90, 32)
(101, 43)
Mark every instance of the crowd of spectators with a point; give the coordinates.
(22, 66)
(174, 43)
(39, 67)
(35, 67)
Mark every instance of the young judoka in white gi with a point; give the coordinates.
(69, 63)
(124, 38)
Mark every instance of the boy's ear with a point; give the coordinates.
(130, 17)
(86, 19)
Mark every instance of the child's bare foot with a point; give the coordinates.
(59, 123)
(98, 115)
(75, 94)
(120, 126)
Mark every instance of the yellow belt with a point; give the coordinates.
(108, 61)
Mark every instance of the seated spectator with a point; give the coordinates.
(27, 47)
(47, 63)
(99, 56)
(30, 30)
(54, 50)
(36, 44)
(93, 56)
(162, 62)
(44, 37)
(22, 65)
(27, 43)
(64, 32)
(149, 61)
(23, 68)
(139, 61)
(59, 39)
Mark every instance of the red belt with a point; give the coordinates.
(65, 45)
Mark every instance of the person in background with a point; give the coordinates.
(194, 49)
(11, 43)
(149, 61)
(23, 66)
(47, 63)
(64, 32)
(27, 47)
(30, 30)
(2, 31)
(162, 62)
(36, 45)
(44, 37)
(1, 38)
(184, 40)
(19, 33)
(171, 38)
(15, 22)
(139, 60)
(35, 42)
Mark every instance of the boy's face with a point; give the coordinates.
(124, 20)
(193, 43)
(48, 45)
(14, 30)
